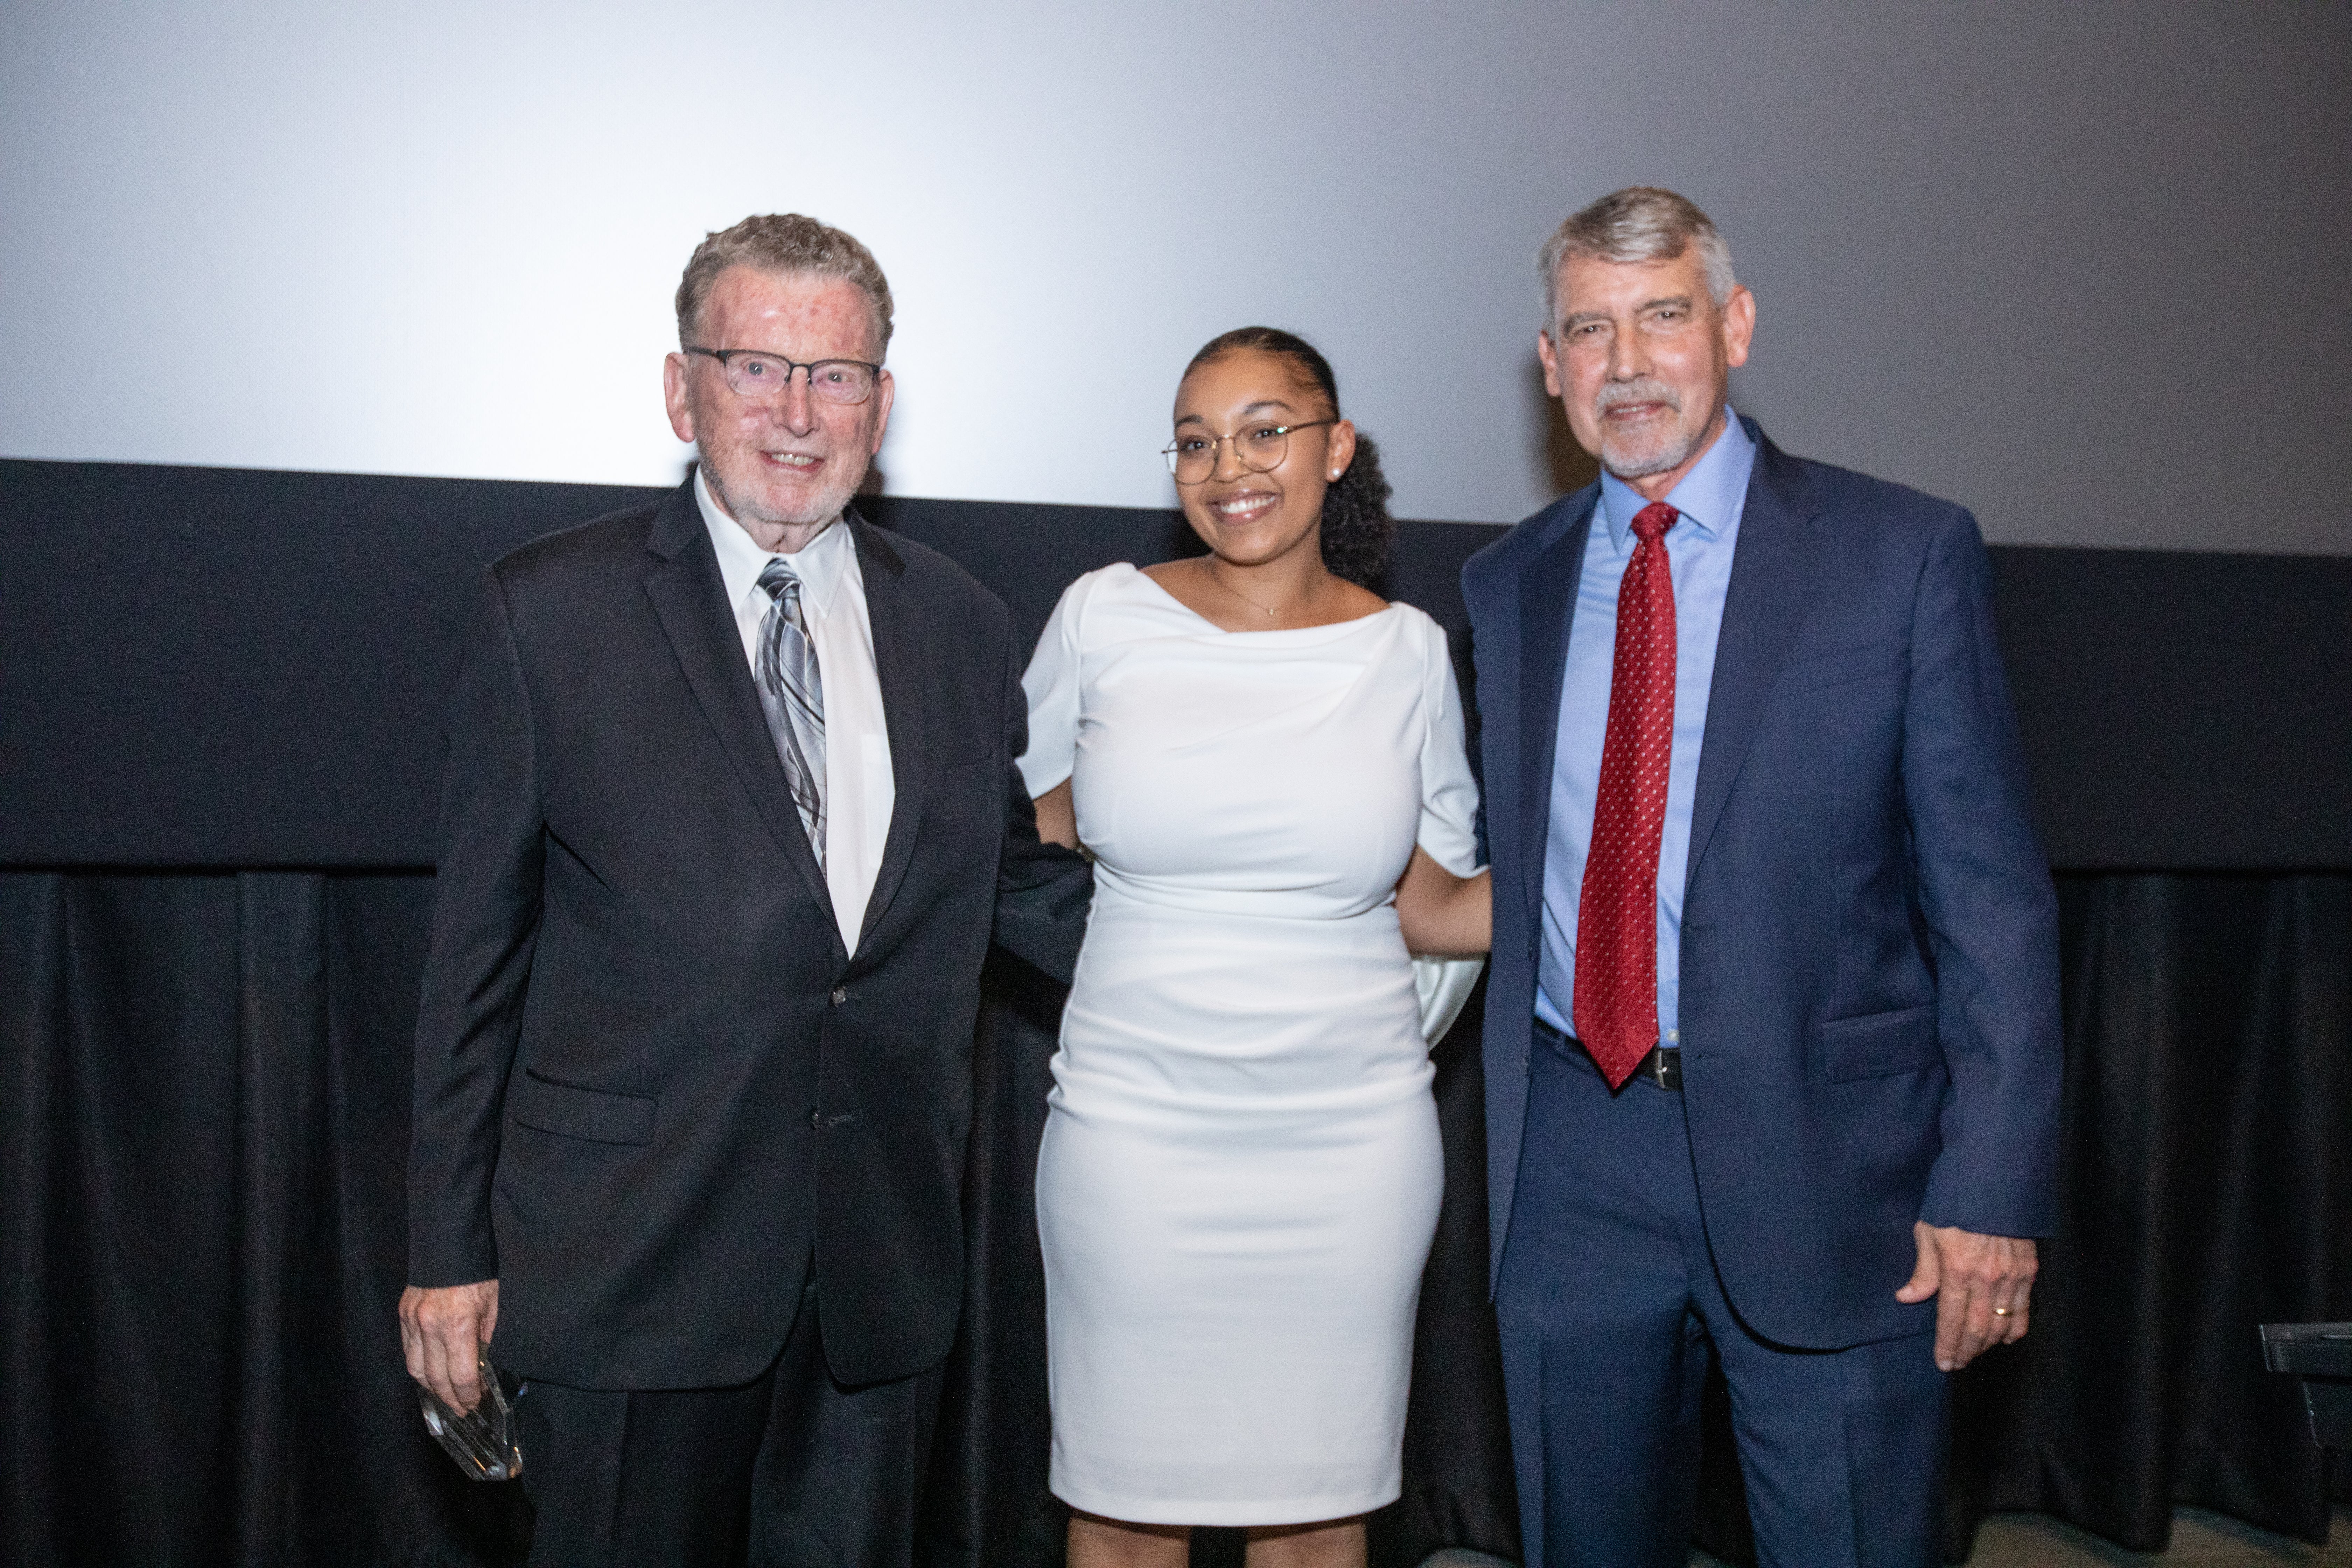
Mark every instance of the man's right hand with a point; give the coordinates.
(442, 1332)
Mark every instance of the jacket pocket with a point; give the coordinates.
(601, 1116)
(1832, 670)
(1879, 1044)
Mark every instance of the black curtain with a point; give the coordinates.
(2205, 1189)
(203, 1228)
(203, 1088)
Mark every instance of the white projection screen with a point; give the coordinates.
(2081, 266)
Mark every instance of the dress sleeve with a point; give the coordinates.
(1449, 795)
(1051, 686)
(1449, 812)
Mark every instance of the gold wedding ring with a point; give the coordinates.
(2001, 1312)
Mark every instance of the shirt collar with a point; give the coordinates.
(1710, 498)
(819, 563)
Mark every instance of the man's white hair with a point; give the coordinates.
(1640, 222)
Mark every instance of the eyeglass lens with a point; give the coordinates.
(766, 375)
(1193, 458)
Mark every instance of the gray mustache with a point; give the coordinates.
(1621, 392)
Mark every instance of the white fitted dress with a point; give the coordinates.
(1240, 1171)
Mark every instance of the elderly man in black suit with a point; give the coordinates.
(728, 819)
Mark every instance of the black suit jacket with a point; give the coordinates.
(652, 1088)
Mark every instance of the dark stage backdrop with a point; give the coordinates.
(215, 785)
(225, 666)
(206, 1079)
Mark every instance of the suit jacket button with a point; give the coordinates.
(840, 995)
(813, 1121)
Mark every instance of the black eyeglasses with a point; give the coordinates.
(1193, 458)
(756, 374)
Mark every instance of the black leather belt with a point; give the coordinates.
(1662, 1067)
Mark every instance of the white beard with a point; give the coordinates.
(822, 506)
(1660, 448)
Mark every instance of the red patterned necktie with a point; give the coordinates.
(1617, 914)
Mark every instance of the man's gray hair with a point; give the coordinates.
(1640, 222)
(790, 245)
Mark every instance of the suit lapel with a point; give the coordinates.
(1774, 569)
(691, 601)
(1546, 604)
(898, 625)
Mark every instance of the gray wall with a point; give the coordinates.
(2083, 266)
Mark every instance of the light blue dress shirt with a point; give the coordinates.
(1699, 547)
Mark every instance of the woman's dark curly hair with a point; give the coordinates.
(1356, 523)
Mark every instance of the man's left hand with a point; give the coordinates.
(1981, 1285)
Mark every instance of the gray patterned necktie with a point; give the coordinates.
(792, 694)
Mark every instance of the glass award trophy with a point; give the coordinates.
(481, 1440)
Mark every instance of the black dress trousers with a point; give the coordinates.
(792, 1469)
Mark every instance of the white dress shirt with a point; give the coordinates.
(859, 788)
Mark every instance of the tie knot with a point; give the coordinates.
(1654, 519)
(776, 580)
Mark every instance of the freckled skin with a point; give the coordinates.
(743, 440)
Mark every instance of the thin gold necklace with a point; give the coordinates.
(1245, 599)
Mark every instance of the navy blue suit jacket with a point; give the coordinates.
(1869, 943)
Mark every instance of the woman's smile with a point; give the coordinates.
(1245, 507)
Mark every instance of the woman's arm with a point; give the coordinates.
(1443, 915)
(1058, 820)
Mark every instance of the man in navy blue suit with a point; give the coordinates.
(1772, 1053)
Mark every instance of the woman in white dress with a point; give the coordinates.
(1240, 1171)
